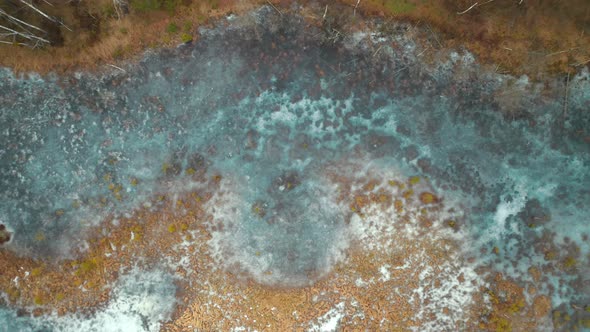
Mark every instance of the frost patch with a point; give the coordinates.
(141, 302)
(330, 320)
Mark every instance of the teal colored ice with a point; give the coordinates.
(272, 118)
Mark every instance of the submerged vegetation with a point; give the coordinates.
(530, 37)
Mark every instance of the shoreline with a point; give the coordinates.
(413, 200)
(127, 39)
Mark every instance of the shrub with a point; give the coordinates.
(172, 28)
(151, 5)
(186, 38)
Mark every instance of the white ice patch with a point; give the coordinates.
(141, 302)
(302, 234)
(505, 209)
(330, 320)
(385, 274)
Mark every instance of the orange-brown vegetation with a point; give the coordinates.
(531, 37)
(100, 37)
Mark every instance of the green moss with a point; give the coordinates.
(414, 180)
(550, 255)
(492, 296)
(118, 53)
(569, 262)
(187, 26)
(38, 300)
(153, 5)
(13, 294)
(145, 5)
(172, 28)
(186, 38)
(36, 271)
(556, 318)
(516, 307)
(503, 325)
(87, 266)
(399, 6)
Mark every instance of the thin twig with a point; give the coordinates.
(273, 6)
(325, 13)
(14, 19)
(473, 6)
(468, 9)
(354, 10)
(400, 70)
(581, 63)
(52, 19)
(433, 35)
(121, 69)
(12, 43)
(377, 51)
(25, 35)
(426, 49)
(560, 52)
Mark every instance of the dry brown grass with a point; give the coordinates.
(119, 39)
(535, 38)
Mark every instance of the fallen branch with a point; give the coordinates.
(12, 43)
(273, 6)
(581, 63)
(116, 67)
(377, 51)
(19, 22)
(560, 52)
(424, 51)
(24, 35)
(434, 35)
(468, 9)
(38, 11)
(473, 6)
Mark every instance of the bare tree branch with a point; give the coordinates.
(38, 11)
(25, 35)
(19, 22)
(473, 6)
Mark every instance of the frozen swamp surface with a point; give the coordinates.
(271, 105)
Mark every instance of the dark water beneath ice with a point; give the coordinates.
(268, 105)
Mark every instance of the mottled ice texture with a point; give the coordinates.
(268, 104)
(141, 301)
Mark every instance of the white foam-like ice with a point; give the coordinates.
(140, 301)
(330, 320)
